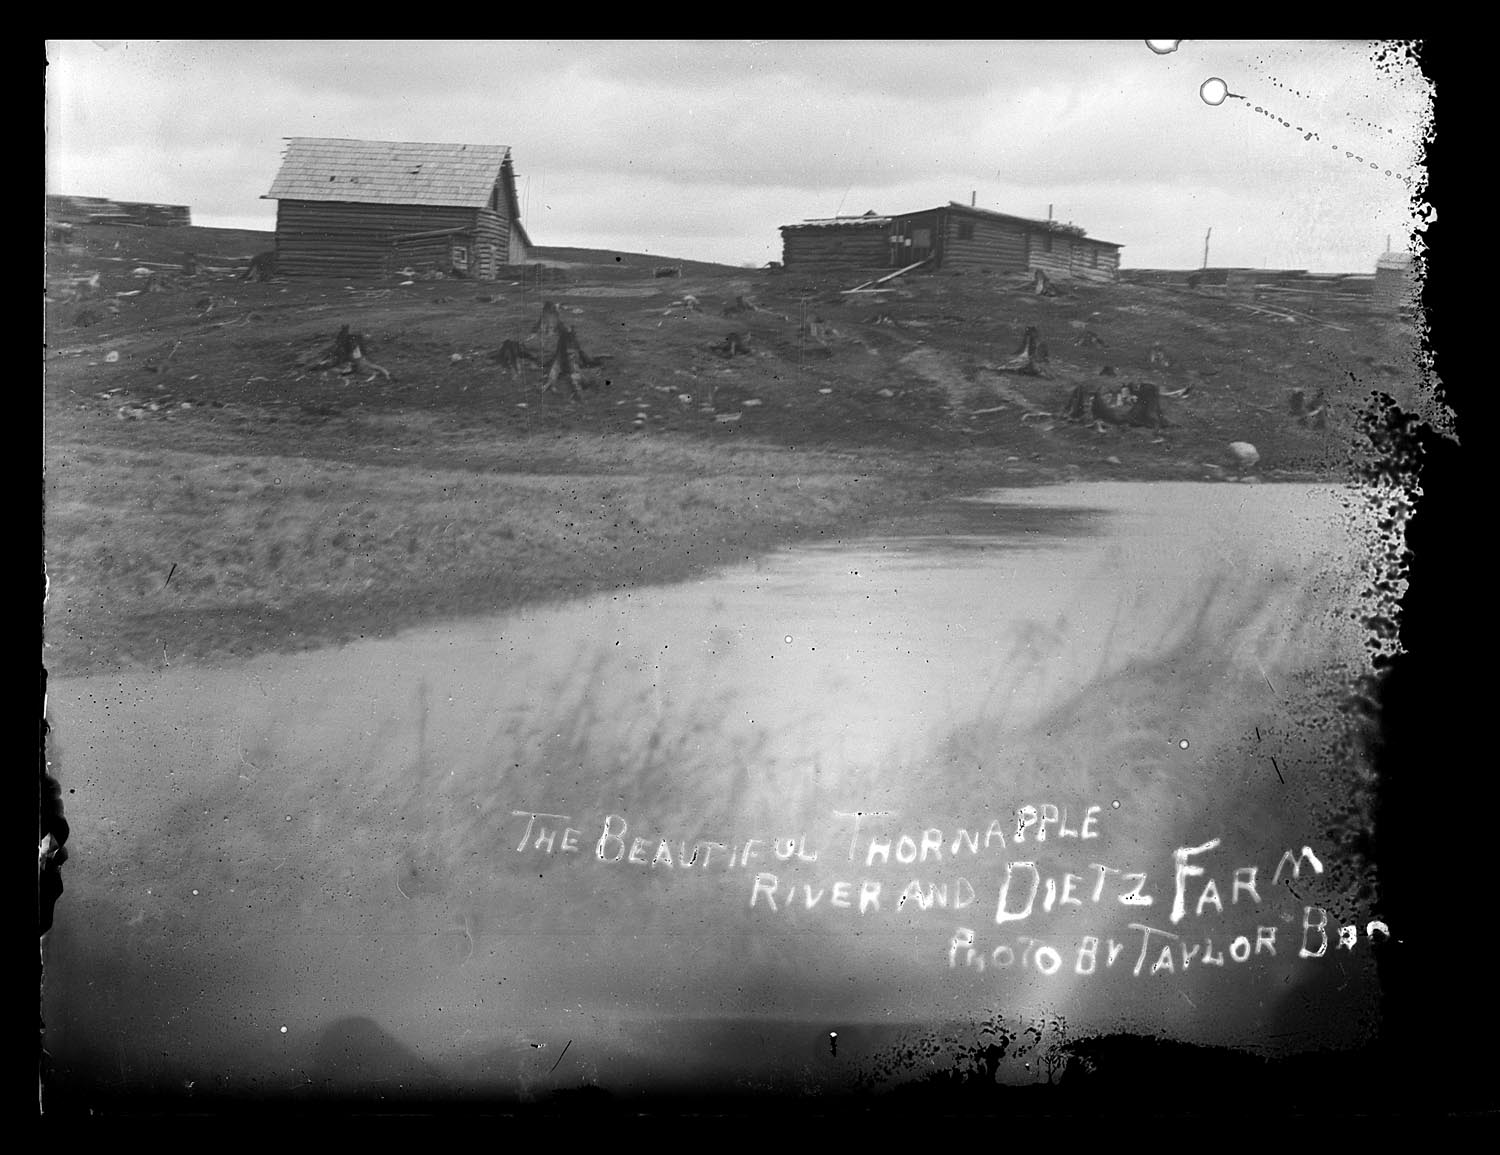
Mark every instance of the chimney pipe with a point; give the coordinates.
(974, 200)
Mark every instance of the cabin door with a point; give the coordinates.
(921, 243)
(900, 244)
(911, 241)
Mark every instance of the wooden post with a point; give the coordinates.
(801, 339)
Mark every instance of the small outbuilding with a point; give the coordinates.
(1396, 284)
(953, 237)
(363, 208)
(103, 211)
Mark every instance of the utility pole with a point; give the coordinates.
(1205, 247)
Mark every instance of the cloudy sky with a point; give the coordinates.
(701, 149)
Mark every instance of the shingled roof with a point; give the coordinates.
(388, 172)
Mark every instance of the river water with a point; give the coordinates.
(750, 824)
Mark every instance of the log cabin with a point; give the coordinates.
(363, 208)
(953, 237)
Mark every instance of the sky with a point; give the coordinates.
(702, 149)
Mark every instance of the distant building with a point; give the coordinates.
(102, 211)
(954, 237)
(1396, 283)
(362, 208)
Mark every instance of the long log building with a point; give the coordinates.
(952, 237)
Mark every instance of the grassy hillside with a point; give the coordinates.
(602, 261)
(212, 490)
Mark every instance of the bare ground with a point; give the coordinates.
(210, 491)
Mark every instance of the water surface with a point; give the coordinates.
(635, 831)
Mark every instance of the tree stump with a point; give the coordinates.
(1146, 410)
(262, 267)
(1101, 410)
(511, 354)
(1077, 408)
(1028, 355)
(567, 362)
(548, 323)
(733, 345)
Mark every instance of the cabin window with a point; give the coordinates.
(460, 257)
(966, 230)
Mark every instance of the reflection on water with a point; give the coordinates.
(786, 793)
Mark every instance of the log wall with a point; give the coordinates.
(510, 248)
(1397, 288)
(1072, 257)
(845, 246)
(992, 245)
(336, 239)
(493, 229)
(426, 251)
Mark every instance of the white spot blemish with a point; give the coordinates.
(1162, 47)
(1183, 744)
(1214, 91)
(788, 639)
